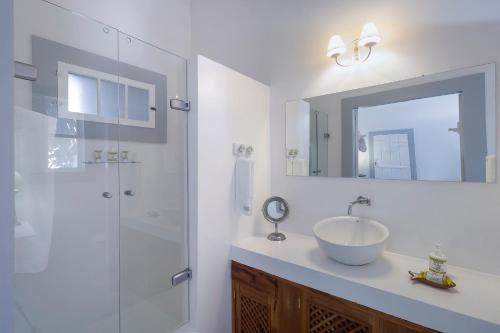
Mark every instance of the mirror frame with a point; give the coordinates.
(266, 204)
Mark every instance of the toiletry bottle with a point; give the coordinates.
(437, 260)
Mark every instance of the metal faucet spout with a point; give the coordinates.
(361, 200)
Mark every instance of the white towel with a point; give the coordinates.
(244, 173)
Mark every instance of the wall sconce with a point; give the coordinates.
(369, 38)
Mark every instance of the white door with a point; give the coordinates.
(393, 156)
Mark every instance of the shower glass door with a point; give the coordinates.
(100, 178)
(67, 202)
(153, 189)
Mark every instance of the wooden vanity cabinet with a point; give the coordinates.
(263, 303)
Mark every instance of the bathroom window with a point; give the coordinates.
(91, 95)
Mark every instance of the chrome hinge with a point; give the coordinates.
(179, 104)
(180, 277)
(25, 71)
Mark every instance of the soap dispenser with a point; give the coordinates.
(437, 260)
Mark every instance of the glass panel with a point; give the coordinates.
(82, 94)
(138, 104)
(79, 268)
(66, 255)
(153, 221)
(323, 136)
(318, 144)
(109, 96)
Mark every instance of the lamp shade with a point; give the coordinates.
(369, 35)
(336, 46)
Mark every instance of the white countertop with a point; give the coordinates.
(385, 285)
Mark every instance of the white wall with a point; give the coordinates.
(418, 39)
(165, 23)
(230, 108)
(7, 167)
(284, 42)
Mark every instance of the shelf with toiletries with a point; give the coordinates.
(113, 157)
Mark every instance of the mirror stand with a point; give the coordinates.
(276, 236)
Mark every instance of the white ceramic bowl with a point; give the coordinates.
(351, 240)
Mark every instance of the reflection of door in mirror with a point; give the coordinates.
(392, 155)
(318, 151)
(414, 139)
(306, 140)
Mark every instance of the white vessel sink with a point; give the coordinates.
(351, 240)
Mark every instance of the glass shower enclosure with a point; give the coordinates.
(101, 178)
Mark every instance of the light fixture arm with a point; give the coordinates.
(370, 47)
(339, 63)
(356, 55)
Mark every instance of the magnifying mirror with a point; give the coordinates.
(275, 210)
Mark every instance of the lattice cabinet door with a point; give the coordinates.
(254, 310)
(330, 315)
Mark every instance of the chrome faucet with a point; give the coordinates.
(359, 200)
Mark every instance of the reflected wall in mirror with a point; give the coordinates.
(439, 127)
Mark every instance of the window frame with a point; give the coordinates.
(63, 71)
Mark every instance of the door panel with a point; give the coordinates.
(153, 189)
(329, 314)
(392, 155)
(101, 175)
(291, 308)
(66, 230)
(254, 310)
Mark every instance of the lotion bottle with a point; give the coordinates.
(437, 260)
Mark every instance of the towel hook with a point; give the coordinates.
(242, 150)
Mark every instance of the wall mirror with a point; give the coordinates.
(439, 127)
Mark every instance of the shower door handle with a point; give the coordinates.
(107, 195)
(129, 193)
